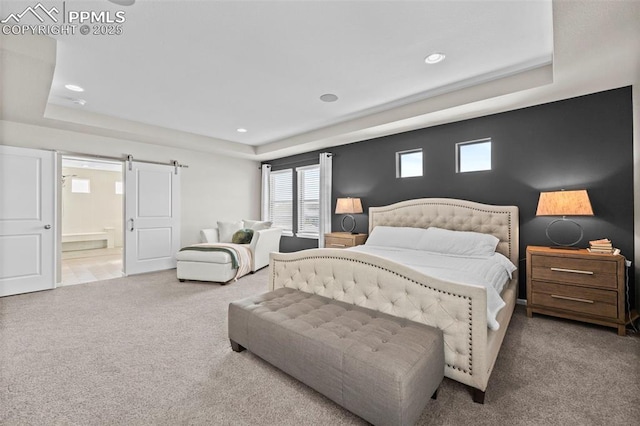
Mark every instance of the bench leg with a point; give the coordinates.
(478, 396)
(236, 347)
(435, 395)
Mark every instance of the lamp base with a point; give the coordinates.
(570, 246)
(353, 225)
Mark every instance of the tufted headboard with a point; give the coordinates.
(455, 215)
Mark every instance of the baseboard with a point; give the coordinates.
(521, 302)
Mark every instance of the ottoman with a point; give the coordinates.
(213, 266)
(380, 367)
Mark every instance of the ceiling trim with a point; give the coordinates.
(406, 117)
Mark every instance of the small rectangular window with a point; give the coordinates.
(81, 186)
(409, 163)
(473, 156)
(281, 200)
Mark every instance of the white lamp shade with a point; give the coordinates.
(348, 206)
(564, 203)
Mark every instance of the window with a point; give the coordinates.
(308, 201)
(409, 163)
(473, 156)
(80, 186)
(281, 200)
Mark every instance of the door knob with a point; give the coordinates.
(47, 227)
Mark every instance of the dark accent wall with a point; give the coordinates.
(578, 143)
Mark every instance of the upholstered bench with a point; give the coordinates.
(380, 367)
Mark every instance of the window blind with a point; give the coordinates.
(281, 200)
(308, 201)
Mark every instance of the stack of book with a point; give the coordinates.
(602, 246)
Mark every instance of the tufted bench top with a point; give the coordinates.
(338, 323)
(381, 367)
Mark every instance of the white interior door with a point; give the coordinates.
(152, 213)
(27, 220)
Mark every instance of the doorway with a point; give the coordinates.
(92, 218)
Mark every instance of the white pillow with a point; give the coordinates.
(209, 235)
(395, 236)
(227, 229)
(459, 243)
(257, 225)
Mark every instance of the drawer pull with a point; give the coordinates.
(338, 245)
(573, 271)
(575, 299)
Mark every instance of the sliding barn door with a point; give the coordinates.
(27, 220)
(152, 217)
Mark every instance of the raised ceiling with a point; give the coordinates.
(210, 68)
(190, 73)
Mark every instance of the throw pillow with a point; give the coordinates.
(242, 236)
(257, 225)
(227, 229)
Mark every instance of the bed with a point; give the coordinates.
(378, 283)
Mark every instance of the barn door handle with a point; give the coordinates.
(131, 228)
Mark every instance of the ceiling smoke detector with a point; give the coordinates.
(328, 97)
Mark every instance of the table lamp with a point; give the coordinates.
(348, 207)
(564, 203)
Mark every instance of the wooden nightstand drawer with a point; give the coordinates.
(586, 272)
(336, 242)
(343, 240)
(591, 301)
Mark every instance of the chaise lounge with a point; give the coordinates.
(220, 265)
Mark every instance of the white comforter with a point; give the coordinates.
(491, 272)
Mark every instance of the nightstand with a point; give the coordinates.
(577, 285)
(343, 239)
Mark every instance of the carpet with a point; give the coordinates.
(148, 349)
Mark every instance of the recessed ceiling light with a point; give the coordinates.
(434, 58)
(123, 2)
(328, 97)
(80, 102)
(241, 130)
(74, 88)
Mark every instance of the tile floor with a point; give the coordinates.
(84, 266)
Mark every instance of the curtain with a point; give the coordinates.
(264, 208)
(326, 176)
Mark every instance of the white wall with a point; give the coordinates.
(94, 211)
(214, 187)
